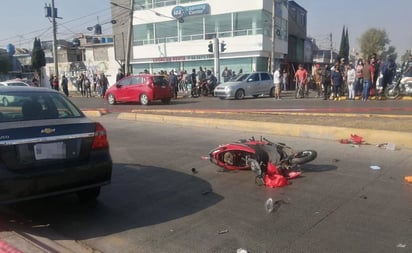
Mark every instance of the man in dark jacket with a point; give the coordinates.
(326, 81)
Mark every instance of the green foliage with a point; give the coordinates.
(373, 41)
(38, 59)
(344, 45)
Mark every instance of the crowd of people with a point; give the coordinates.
(335, 81)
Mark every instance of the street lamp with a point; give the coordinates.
(129, 34)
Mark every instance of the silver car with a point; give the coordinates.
(247, 85)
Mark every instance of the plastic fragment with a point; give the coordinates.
(375, 167)
(240, 250)
(401, 245)
(408, 179)
(224, 231)
(269, 205)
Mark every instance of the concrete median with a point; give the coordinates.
(373, 137)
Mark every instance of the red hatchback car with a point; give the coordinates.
(142, 88)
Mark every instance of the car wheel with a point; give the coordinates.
(111, 99)
(144, 99)
(166, 101)
(88, 194)
(5, 102)
(240, 94)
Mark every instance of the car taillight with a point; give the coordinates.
(100, 139)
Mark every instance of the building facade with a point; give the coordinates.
(176, 34)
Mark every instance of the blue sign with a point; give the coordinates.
(193, 10)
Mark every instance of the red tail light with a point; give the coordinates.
(100, 139)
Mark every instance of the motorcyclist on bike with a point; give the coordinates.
(211, 81)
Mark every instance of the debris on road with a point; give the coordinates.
(354, 139)
(387, 146)
(408, 179)
(375, 167)
(224, 231)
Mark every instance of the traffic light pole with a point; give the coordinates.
(56, 64)
(216, 48)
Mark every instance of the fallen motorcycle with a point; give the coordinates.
(272, 162)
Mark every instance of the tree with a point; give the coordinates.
(374, 41)
(344, 45)
(38, 59)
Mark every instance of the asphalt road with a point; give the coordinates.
(157, 204)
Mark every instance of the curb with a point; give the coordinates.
(374, 137)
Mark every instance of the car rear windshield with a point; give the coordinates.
(23, 106)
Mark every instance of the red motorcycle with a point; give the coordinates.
(273, 163)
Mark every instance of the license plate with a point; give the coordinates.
(55, 150)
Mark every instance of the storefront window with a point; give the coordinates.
(166, 32)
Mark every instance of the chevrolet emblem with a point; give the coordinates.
(48, 130)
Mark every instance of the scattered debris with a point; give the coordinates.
(401, 245)
(194, 171)
(271, 205)
(363, 197)
(375, 167)
(408, 179)
(224, 231)
(387, 146)
(240, 250)
(354, 139)
(336, 160)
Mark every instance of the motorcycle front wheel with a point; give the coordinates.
(304, 157)
(392, 92)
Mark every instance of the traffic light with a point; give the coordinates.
(222, 46)
(210, 46)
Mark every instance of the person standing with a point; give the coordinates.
(285, 80)
(368, 72)
(326, 81)
(119, 75)
(317, 75)
(277, 82)
(388, 72)
(337, 82)
(65, 84)
(351, 77)
(104, 83)
(301, 76)
(55, 83)
(359, 78)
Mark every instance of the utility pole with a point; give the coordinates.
(56, 64)
(216, 59)
(331, 49)
(129, 39)
(272, 64)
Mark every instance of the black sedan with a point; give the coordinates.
(49, 147)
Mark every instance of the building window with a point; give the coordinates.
(192, 30)
(250, 22)
(218, 26)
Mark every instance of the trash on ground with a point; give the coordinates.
(387, 146)
(271, 205)
(224, 231)
(240, 250)
(336, 160)
(194, 171)
(401, 245)
(408, 179)
(354, 139)
(375, 167)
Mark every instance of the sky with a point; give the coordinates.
(23, 20)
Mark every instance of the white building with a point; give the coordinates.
(175, 34)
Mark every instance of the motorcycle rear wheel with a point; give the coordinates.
(392, 92)
(304, 157)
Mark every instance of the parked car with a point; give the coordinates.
(143, 88)
(247, 85)
(49, 147)
(7, 100)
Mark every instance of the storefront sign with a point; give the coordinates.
(185, 11)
